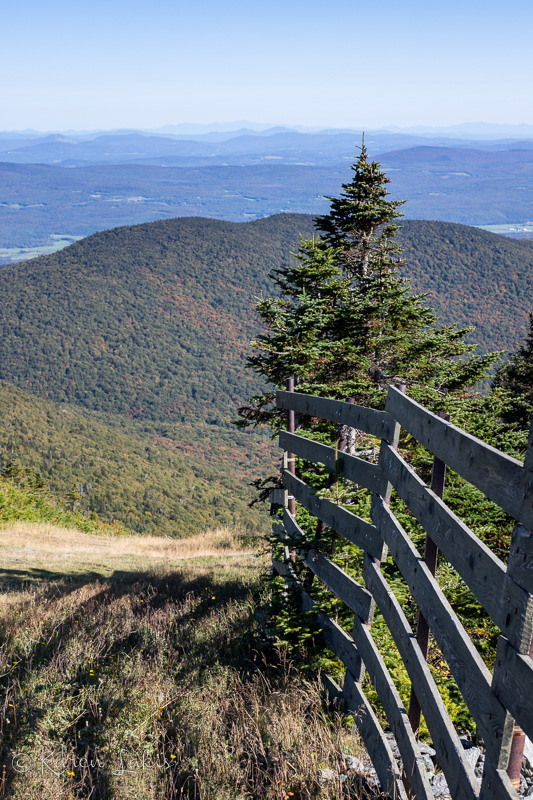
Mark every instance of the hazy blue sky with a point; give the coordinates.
(112, 63)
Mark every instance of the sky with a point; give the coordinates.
(344, 63)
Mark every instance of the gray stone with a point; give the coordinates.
(472, 755)
(325, 776)
(478, 769)
(352, 762)
(439, 785)
(426, 750)
(392, 744)
(529, 792)
(527, 763)
(428, 763)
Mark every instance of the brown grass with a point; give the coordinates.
(151, 682)
(59, 550)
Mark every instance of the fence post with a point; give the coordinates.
(438, 478)
(289, 457)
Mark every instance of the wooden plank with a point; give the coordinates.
(520, 563)
(507, 603)
(354, 469)
(501, 478)
(278, 497)
(472, 676)
(333, 690)
(413, 763)
(513, 684)
(376, 423)
(496, 785)
(351, 527)
(374, 739)
(347, 589)
(459, 774)
(338, 641)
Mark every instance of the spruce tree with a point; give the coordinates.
(346, 324)
(515, 379)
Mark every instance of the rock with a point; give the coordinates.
(325, 776)
(478, 769)
(472, 755)
(392, 744)
(428, 763)
(352, 762)
(426, 750)
(527, 763)
(439, 785)
(528, 792)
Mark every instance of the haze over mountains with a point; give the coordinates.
(60, 186)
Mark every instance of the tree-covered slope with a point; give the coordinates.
(472, 277)
(151, 321)
(147, 328)
(124, 473)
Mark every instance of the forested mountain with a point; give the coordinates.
(122, 471)
(147, 327)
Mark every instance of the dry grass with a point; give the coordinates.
(150, 683)
(45, 546)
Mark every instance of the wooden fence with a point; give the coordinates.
(498, 701)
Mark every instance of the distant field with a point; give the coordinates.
(514, 229)
(9, 255)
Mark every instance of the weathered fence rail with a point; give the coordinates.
(498, 701)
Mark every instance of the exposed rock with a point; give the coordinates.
(527, 763)
(472, 755)
(325, 776)
(478, 769)
(439, 786)
(428, 763)
(352, 762)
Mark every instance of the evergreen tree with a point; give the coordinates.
(515, 379)
(347, 325)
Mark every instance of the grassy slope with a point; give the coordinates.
(141, 679)
(119, 471)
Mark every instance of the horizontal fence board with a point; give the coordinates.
(351, 527)
(513, 684)
(396, 714)
(501, 478)
(278, 497)
(458, 772)
(376, 423)
(354, 469)
(338, 641)
(374, 739)
(347, 589)
(520, 563)
(283, 569)
(472, 676)
(508, 604)
(333, 690)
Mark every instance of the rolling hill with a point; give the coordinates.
(128, 349)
